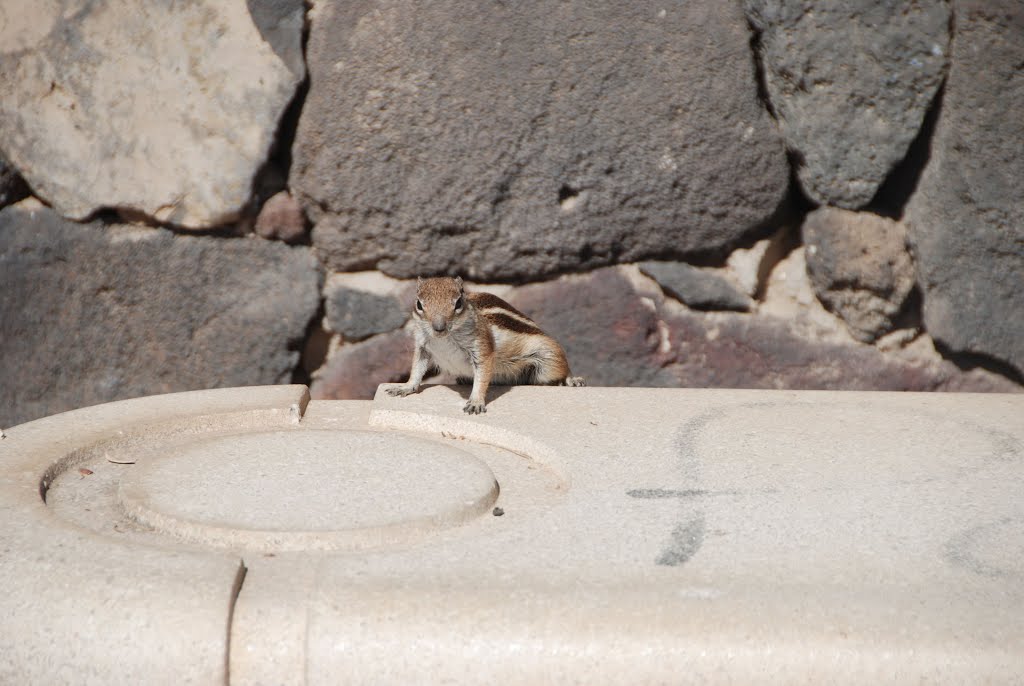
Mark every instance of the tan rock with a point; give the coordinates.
(167, 109)
(860, 267)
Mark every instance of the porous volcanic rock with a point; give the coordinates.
(696, 287)
(96, 313)
(966, 219)
(164, 109)
(850, 84)
(860, 267)
(519, 139)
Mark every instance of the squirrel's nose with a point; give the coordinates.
(438, 324)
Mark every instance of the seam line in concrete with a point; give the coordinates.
(236, 589)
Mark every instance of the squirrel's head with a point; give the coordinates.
(440, 302)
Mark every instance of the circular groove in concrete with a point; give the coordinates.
(306, 490)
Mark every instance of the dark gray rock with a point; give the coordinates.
(357, 314)
(966, 219)
(860, 268)
(695, 287)
(850, 84)
(281, 23)
(12, 186)
(517, 139)
(92, 314)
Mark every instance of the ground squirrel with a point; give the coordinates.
(479, 336)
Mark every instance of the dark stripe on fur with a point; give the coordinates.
(527, 376)
(511, 323)
(485, 300)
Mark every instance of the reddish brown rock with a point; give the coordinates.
(281, 218)
(616, 336)
(740, 351)
(610, 334)
(356, 369)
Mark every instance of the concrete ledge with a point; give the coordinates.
(81, 606)
(594, 534)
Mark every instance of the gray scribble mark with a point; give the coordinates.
(688, 536)
(684, 494)
(962, 550)
(686, 540)
(1007, 447)
(659, 493)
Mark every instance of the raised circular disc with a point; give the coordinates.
(302, 490)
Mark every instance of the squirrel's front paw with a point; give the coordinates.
(474, 407)
(401, 391)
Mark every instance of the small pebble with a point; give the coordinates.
(498, 512)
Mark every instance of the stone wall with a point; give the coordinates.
(764, 194)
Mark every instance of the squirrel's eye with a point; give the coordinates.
(458, 303)
(419, 305)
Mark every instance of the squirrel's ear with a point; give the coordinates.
(458, 282)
